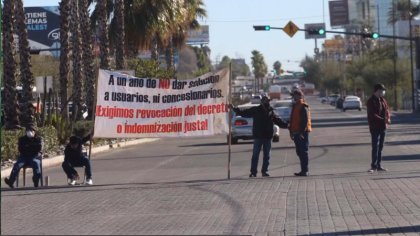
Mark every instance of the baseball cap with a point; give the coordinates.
(296, 92)
(379, 86)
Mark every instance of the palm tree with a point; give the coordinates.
(87, 56)
(64, 54)
(260, 68)
(9, 65)
(184, 18)
(120, 35)
(103, 33)
(27, 78)
(277, 67)
(77, 61)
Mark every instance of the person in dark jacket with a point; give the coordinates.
(74, 157)
(262, 131)
(379, 119)
(30, 146)
(300, 126)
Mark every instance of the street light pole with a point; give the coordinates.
(411, 60)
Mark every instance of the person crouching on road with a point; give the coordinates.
(74, 157)
(30, 146)
(262, 132)
(300, 126)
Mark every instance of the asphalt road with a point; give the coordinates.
(177, 186)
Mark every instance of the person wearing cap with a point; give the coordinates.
(264, 119)
(300, 126)
(29, 146)
(378, 119)
(74, 157)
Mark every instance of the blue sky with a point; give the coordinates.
(232, 34)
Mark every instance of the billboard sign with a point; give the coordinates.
(199, 36)
(339, 13)
(43, 25)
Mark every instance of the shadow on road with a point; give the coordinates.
(414, 157)
(390, 230)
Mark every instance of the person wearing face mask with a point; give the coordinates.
(30, 146)
(264, 119)
(300, 126)
(74, 157)
(378, 119)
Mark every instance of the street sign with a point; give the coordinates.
(290, 29)
(314, 27)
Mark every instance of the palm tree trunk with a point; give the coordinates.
(64, 54)
(9, 65)
(77, 61)
(87, 57)
(27, 78)
(170, 56)
(119, 49)
(154, 50)
(103, 33)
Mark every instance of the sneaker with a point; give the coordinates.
(252, 175)
(382, 169)
(265, 174)
(302, 174)
(89, 182)
(71, 181)
(371, 170)
(8, 182)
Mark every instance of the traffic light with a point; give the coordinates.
(316, 31)
(373, 35)
(261, 27)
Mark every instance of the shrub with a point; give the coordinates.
(9, 141)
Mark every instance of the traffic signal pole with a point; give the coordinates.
(374, 35)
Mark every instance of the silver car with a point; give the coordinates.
(283, 108)
(242, 127)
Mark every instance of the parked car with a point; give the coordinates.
(352, 102)
(242, 127)
(332, 99)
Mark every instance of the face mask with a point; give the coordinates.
(30, 134)
(383, 93)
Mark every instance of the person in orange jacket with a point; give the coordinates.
(300, 126)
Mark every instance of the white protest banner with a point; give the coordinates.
(130, 107)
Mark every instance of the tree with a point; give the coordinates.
(87, 57)
(64, 54)
(120, 35)
(277, 67)
(9, 66)
(77, 61)
(103, 33)
(260, 68)
(312, 69)
(27, 79)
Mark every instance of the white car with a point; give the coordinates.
(283, 108)
(352, 102)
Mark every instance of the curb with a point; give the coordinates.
(59, 159)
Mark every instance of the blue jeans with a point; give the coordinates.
(378, 138)
(71, 172)
(22, 161)
(302, 148)
(265, 143)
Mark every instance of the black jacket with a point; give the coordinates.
(74, 156)
(29, 147)
(264, 120)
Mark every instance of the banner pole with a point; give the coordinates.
(230, 120)
(93, 115)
